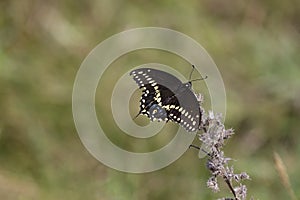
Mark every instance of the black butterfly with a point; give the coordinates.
(166, 98)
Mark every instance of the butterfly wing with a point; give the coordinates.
(171, 99)
(187, 112)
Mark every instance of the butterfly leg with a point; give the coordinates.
(194, 146)
(137, 115)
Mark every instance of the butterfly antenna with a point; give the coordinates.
(193, 68)
(199, 79)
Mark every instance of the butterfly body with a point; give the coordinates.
(166, 98)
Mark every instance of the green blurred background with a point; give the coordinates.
(255, 45)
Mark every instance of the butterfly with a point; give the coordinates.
(166, 98)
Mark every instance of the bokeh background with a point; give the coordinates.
(255, 45)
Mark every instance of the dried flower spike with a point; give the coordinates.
(213, 139)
